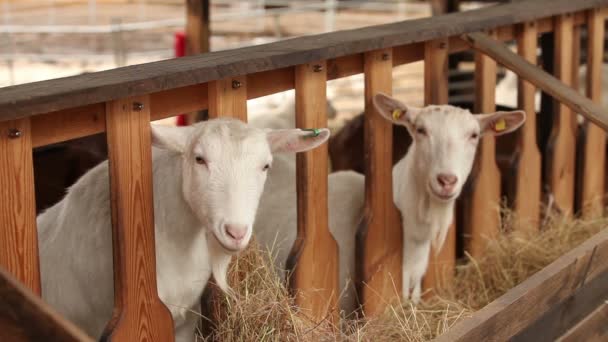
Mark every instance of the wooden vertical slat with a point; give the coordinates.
(483, 217)
(228, 97)
(139, 314)
(441, 264)
(562, 142)
(18, 235)
(314, 257)
(379, 239)
(594, 158)
(528, 163)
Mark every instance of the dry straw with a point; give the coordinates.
(262, 310)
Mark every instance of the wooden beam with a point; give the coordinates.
(441, 263)
(53, 95)
(26, 317)
(314, 258)
(139, 314)
(482, 215)
(591, 329)
(50, 128)
(527, 164)
(18, 234)
(511, 313)
(198, 37)
(539, 78)
(379, 238)
(594, 156)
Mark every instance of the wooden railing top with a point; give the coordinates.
(52, 95)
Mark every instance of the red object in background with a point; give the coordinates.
(179, 46)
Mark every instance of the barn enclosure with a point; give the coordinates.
(555, 158)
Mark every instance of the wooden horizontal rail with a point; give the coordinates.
(510, 314)
(25, 317)
(562, 92)
(592, 328)
(53, 95)
(89, 119)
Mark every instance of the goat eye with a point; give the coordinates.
(200, 160)
(421, 130)
(266, 167)
(474, 135)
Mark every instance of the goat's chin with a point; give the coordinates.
(439, 197)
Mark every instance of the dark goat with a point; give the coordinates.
(58, 166)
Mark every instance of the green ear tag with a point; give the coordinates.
(315, 132)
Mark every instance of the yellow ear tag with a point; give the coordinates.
(397, 114)
(500, 125)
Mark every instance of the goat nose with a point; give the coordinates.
(446, 179)
(236, 231)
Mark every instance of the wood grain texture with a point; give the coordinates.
(511, 313)
(228, 99)
(540, 78)
(527, 164)
(561, 148)
(314, 258)
(138, 314)
(441, 263)
(198, 35)
(25, 317)
(594, 156)
(564, 314)
(591, 329)
(18, 234)
(482, 219)
(53, 95)
(379, 239)
(171, 102)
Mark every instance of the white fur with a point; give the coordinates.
(193, 204)
(448, 146)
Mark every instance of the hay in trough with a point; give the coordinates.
(262, 310)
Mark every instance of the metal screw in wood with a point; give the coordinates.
(138, 106)
(385, 56)
(236, 84)
(443, 45)
(14, 133)
(317, 68)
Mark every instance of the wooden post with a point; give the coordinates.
(561, 148)
(441, 264)
(139, 314)
(198, 36)
(380, 238)
(314, 258)
(594, 159)
(18, 234)
(228, 97)
(528, 163)
(482, 219)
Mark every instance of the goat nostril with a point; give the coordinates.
(236, 232)
(446, 180)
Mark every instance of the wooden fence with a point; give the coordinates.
(123, 101)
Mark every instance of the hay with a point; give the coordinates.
(262, 310)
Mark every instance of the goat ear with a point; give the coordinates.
(170, 138)
(394, 110)
(500, 123)
(295, 140)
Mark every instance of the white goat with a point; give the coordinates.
(207, 178)
(426, 183)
